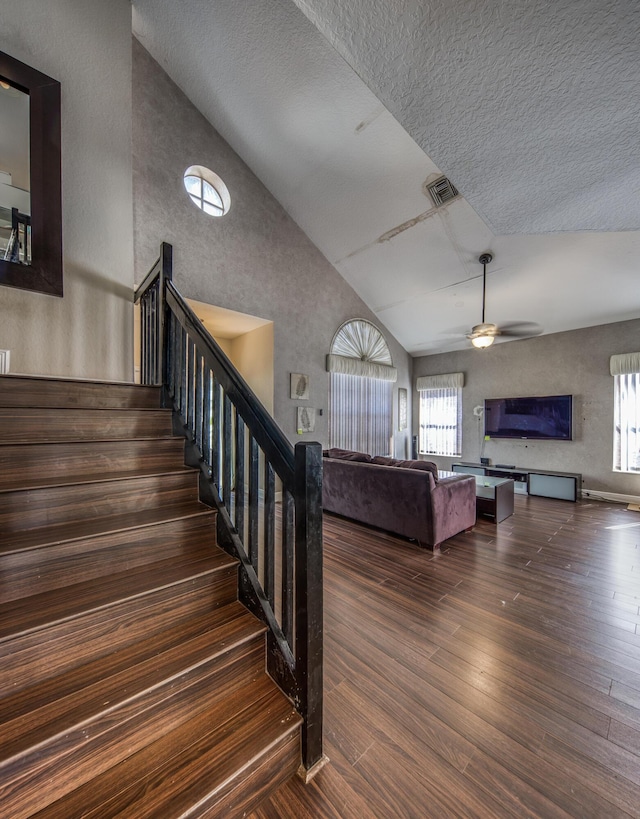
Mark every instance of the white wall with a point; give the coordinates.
(86, 45)
(575, 362)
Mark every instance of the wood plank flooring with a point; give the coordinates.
(500, 678)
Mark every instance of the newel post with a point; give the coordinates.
(309, 611)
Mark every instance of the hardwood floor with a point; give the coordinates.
(500, 678)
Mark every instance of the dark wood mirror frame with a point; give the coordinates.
(44, 274)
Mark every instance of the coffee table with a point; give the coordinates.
(494, 497)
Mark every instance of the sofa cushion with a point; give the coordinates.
(384, 460)
(425, 466)
(347, 455)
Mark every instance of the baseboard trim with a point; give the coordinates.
(613, 497)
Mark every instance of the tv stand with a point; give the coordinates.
(542, 483)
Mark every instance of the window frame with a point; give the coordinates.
(204, 175)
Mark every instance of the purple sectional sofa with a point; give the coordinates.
(404, 497)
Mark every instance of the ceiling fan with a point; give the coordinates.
(483, 335)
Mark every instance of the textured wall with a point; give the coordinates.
(255, 259)
(88, 333)
(575, 362)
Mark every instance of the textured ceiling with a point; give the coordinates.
(351, 176)
(530, 106)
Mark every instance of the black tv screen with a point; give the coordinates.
(547, 417)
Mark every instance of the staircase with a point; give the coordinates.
(132, 681)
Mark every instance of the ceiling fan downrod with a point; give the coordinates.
(484, 260)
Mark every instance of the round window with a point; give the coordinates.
(207, 191)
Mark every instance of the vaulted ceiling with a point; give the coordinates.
(344, 110)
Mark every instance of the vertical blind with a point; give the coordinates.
(626, 426)
(441, 421)
(360, 416)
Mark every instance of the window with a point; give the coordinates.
(360, 389)
(441, 421)
(207, 191)
(626, 426)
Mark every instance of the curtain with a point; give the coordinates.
(441, 421)
(624, 364)
(626, 428)
(354, 366)
(436, 382)
(360, 413)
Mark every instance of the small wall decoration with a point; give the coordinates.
(306, 420)
(299, 386)
(402, 409)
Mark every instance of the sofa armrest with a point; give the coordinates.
(453, 506)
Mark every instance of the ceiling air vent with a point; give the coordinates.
(441, 191)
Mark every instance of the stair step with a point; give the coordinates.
(144, 730)
(46, 693)
(31, 391)
(56, 505)
(46, 635)
(82, 529)
(132, 681)
(41, 715)
(32, 465)
(49, 424)
(31, 612)
(34, 571)
(203, 762)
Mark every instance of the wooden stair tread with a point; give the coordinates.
(79, 479)
(50, 772)
(36, 391)
(33, 571)
(32, 509)
(53, 707)
(57, 424)
(29, 613)
(59, 533)
(22, 464)
(195, 764)
(41, 694)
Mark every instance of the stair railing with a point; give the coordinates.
(268, 494)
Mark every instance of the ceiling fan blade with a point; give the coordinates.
(521, 329)
(455, 331)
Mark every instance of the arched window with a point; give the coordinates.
(360, 389)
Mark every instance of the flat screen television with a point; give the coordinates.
(547, 417)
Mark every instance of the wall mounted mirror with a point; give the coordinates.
(30, 179)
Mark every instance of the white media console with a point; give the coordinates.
(540, 482)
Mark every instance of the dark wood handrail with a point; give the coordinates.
(240, 451)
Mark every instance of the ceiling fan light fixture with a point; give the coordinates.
(482, 342)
